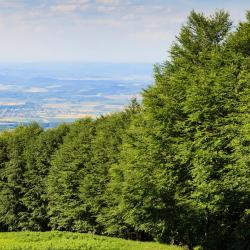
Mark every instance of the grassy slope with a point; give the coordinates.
(72, 241)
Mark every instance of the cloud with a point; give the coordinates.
(102, 6)
(15, 103)
(105, 9)
(100, 23)
(4, 87)
(79, 2)
(40, 28)
(71, 6)
(53, 86)
(96, 30)
(35, 90)
(153, 35)
(11, 4)
(64, 7)
(108, 2)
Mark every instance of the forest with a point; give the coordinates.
(174, 168)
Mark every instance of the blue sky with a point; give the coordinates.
(98, 30)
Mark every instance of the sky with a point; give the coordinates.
(98, 30)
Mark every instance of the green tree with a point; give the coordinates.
(38, 154)
(12, 176)
(69, 166)
(169, 182)
(3, 159)
(239, 40)
(106, 147)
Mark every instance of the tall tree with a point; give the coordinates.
(38, 154)
(12, 179)
(193, 93)
(3, 178)
(69, 166)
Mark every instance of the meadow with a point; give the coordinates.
(72, 241)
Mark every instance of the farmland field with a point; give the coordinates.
(52, 93)
(72, 241)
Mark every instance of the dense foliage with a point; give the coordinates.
(175, 169)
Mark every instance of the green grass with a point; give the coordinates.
(72, 241)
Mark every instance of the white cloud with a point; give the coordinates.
(4, 87)
(71, 6)
(95, 30)
(64, 7)
(99, 23)
(40, 28)
(79, 1)
(105, 9)
(13, 103)
(153, 35)
(53, 86)
(36, 90)
(10, 4)
(83, 7)
(108, 2)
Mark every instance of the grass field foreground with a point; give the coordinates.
(72, 241)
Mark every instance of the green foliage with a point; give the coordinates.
(106, 152)
(12, 175)
(69, 166)
(38, 162)
(240, 40)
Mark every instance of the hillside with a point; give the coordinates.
(72, 241)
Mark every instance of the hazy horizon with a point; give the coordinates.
(51, 93)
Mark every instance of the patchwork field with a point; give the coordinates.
(72, 241)
(62, 92)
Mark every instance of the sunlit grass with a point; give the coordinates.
(72, 241)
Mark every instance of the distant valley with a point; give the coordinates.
(51, 93)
